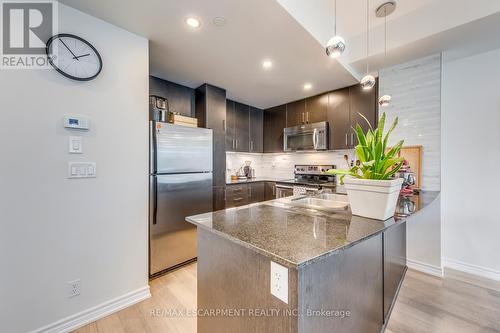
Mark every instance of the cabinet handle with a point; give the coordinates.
(274, 190)
(352, 139)
(307, 117)
(347, 144)
(233, 144)
(303, 121)
(236, 143)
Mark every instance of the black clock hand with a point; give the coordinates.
(81, 56)
(74, 56)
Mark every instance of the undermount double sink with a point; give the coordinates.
(328, 202)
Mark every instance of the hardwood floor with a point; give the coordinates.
(425, 304)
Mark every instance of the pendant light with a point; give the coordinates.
(336, 45)
(368, 81)
(385, 10)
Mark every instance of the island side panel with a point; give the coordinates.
(394, 264)
(231, 276)
(350, 280)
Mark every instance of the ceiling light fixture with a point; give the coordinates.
(307, 86)
(267, 64)
(368, 81)
(219, 21)
(193, 22)
(336, 45)
(385, 10)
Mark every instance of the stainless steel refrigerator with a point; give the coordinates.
(180, 185)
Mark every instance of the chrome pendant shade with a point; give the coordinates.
(384, 101)
(385, 10)
(368, 81)
(336, 45)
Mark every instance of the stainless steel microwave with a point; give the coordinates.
(306, 137)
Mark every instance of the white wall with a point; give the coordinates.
(415, 88)
(52, 229)
(471, 156)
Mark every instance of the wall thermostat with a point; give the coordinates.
(76, 122)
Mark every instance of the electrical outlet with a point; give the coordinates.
(279, 281)
(74, 288)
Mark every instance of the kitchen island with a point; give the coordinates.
(339, 272)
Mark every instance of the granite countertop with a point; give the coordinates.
(296, 236)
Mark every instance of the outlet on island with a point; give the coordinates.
(279, 281)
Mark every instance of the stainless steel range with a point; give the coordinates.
(308, 180)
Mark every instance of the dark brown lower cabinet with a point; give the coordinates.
(244, 194)
(219, 197)
(256, 192)
(269, 191)
(236, 195)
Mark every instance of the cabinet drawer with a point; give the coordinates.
(236, 195)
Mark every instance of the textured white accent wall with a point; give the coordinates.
(471, 142)
(280, 166)
(53, 229)
(415, 88)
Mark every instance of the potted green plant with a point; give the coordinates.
(370, 184)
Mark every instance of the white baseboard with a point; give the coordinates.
(424, 268)
(85, 317)
(484, 272)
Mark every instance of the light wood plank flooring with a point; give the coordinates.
(425, 304)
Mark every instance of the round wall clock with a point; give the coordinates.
(73, 57)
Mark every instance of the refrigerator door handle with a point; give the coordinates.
(155, 199)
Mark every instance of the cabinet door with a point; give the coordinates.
(274, 123)
(256, 130)
(230, 125)
(241, 121)
(339, 119)
(316, 108)
(296, 113)
(255, 192)
(219, 197)
(269, 191)
(364, 102)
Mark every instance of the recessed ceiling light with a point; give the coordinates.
(193, 22)
(307, 86)
(267, 64)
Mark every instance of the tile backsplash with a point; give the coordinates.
(281, 165)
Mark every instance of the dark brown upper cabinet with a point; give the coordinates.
(274, 123)
(339, 118)
(362, 102)
(244, 128)
(241, 127)
(256, 130)
(296, 113)
(344, 109)
(316, 109)
(230, 130)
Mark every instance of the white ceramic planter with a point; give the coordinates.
(374, 199)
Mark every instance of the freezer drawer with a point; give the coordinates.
(173, 197)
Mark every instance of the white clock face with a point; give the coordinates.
(74, 57)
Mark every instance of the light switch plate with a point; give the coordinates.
(75, 145)
(82, 170)
(279, 281)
